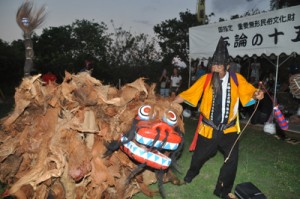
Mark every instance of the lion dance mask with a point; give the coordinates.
(151, 143)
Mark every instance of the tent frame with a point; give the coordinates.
(277, 65)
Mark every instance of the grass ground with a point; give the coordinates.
(272, 165)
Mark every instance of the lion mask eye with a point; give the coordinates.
(170, 118)
(144, 112)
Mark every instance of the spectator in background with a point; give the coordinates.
(49, 77)
(269, 82)
(200, 70)
(87, 67)
(164, 84)
(263, 112)
(255, 73)
(235, 67)
(176, 80)
(193, 74)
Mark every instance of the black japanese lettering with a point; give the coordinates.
(291, 17)
(298, 34)
(257, 40)
(275, 20)
(240, 26)
(275, 35)
(226, 41)
(240, 41)
(220, 29)
(263, 22)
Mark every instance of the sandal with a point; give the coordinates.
(277, 137)
(230, 196)
(293, 141)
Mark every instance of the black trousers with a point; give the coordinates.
(207, 148)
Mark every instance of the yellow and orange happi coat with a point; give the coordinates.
(243, 92)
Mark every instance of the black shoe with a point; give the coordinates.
(216, 193)
(187, 179)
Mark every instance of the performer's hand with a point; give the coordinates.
(178, 99)
(258, 95)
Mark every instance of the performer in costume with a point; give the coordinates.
(218, 126)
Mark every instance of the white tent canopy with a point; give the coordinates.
(268, 33)
(274, 32)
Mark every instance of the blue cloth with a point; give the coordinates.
(199, 73)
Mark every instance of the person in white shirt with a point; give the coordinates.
(175, 82)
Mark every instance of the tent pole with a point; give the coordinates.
(190, 70)
(276, 80)
(293, 54)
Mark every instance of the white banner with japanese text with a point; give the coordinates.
(273, 32)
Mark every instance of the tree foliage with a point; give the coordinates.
(277, 4)
(132, 53)
(54, 47)
(127, 49)
(11, 61)
(112, 54)
(66, 47)
(91, 39)
(173, 36)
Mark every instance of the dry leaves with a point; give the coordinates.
(53, 141)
